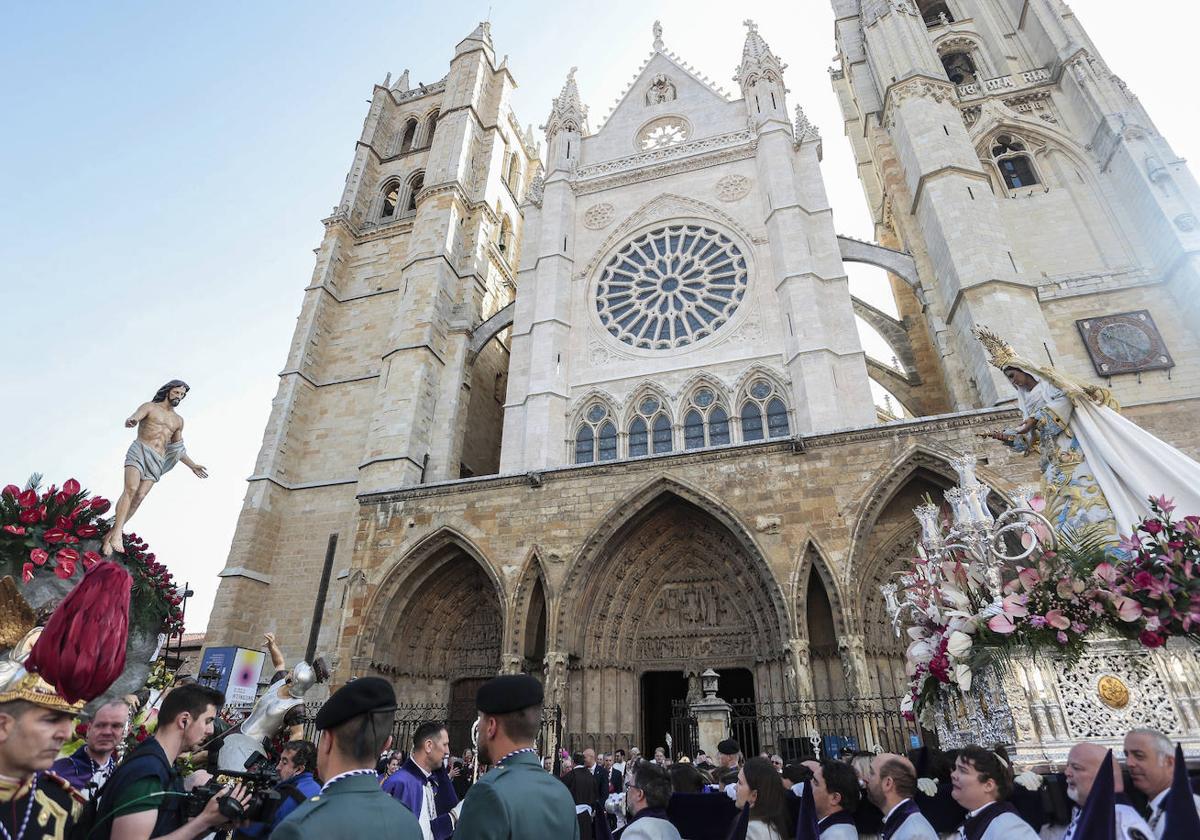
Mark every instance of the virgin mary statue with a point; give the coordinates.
(1100, 468)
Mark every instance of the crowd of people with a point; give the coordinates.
(351, 783)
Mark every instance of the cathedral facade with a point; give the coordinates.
(599, 411)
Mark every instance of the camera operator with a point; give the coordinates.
(297, 761)
(145, 798)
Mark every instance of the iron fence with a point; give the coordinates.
(801, 729)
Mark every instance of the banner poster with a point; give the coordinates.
(239, 668)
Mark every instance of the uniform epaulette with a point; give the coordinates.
(59, 781)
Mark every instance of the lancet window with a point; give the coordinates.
(391, 200)
(415, 184)
(650, 430)
(1014, 162)
(935, 13)
(430, 127)
(706, 422)
(960, 68)
(409, 136)
(764, 413)
(596, 436)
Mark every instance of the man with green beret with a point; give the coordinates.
(517, 799)
(355, 725)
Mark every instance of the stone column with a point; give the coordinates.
(712, 715)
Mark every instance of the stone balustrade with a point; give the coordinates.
(1009, 82)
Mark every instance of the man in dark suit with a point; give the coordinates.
(599, 776)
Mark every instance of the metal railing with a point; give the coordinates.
(801, 729)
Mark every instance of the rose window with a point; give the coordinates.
(668, 131)
(671, 287)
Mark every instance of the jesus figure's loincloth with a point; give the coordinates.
(151, 464)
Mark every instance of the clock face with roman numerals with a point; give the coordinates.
(1124, 343)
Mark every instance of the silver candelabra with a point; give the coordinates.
(974, 531)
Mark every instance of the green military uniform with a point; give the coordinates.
(518, 799)
(352, 807)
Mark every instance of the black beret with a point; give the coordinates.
(357, 697)
(729, 747)
(508, 693)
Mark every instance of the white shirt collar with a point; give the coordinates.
(359, 772)
(980, 809)
(1156, 802)
(888, 815)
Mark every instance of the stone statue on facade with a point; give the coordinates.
(156, 450)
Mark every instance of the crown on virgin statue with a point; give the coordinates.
(1002, 355)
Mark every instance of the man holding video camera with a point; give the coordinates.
(296, 765)
(145, 798)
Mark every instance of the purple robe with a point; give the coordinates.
(408, 785)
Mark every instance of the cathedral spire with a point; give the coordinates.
(567, 113)
(757, 58)
(480, 38)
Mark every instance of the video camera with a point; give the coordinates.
(264, 798)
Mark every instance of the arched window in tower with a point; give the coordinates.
(764, 402)
(650, 430)
(596, 436)
(514, 171)
(430, 128)
(505, 241)
(1014, 162)
(960, 68)
(391, 198)
(408, 136)
(415, 184)
(935, 13)
(706, 422)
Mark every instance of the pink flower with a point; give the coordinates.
(39, 556)
(1078, 627)
(1129, 545)
(100, 504)
(1062, 637)
(54, 535)
(1001, 624)
(70, 487)
(1127, 608)
(15, 530)
(27, 572)
(1164, 504)
(11, 490)
(87, 531)
(28, 498)
(1057, 620)
(67, 555)
(1016, 606)
(64, 570)
(90, 558)
(1037, 622)
(1152, 526)
(1029, 579)
(1065, 589)
(1106, 572)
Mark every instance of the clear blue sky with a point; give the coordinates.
(166, 167)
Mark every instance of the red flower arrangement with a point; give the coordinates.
(42, 532)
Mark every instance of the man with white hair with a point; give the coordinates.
(1150, 757)
(1083, 765)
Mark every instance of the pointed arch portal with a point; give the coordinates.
(668, 589)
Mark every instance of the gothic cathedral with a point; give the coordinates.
(594, 406)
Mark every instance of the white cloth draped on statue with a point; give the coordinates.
(1129, 464)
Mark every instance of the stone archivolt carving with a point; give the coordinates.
(678, 588)
(599, 216)
(733, 187)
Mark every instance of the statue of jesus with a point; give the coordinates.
(157, 449)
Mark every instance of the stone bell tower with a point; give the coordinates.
(383, 386)
(1030, 185)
